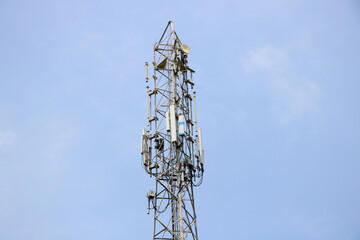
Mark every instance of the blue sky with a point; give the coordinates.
(278, 100)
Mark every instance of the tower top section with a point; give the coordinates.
(171, 145)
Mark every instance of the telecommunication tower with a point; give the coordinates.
(171, 147)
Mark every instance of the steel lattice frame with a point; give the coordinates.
(176, 165)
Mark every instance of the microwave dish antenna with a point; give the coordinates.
(185, 48)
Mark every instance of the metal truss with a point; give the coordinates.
(171, 147)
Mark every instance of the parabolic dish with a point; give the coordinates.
(185, 48)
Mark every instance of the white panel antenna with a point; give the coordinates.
(167, 114)
(173, 124)
(181, 125)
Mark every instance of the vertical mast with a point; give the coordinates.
(167, 146)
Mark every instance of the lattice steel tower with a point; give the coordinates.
(171, 148)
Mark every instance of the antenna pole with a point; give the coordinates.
(169, 147)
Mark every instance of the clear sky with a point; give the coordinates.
(278, 100)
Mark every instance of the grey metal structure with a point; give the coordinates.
(171, 147)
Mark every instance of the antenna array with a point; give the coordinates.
(171, 147)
